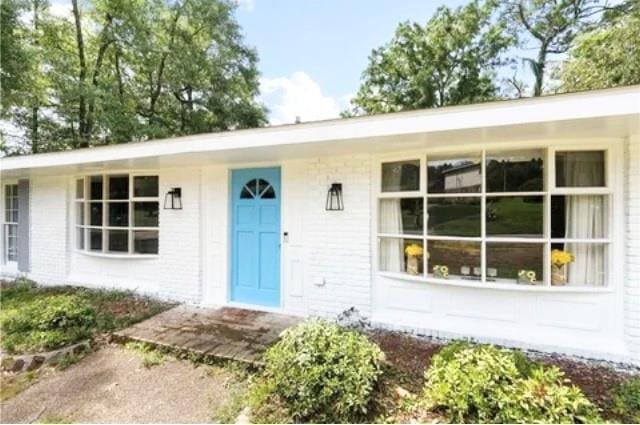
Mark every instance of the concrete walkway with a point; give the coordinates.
(227, 333)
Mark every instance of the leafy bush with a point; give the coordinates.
(321, 373)
(626, 400)
(46, 323)
(485, 384)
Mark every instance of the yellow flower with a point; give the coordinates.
(561, 258)
(414, 250)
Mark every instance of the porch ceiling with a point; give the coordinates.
(613, 113)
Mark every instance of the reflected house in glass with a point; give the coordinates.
(487, 192)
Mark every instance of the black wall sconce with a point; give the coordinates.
(173, 199)
(334, 198)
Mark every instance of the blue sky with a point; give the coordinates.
(312, 52)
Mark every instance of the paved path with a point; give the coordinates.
(111, 386)
(229, 333)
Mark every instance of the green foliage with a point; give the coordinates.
(121, 71)
(448, 61)
(320, 372)
(626, 400)
(607, 56)
(149, 355)
(487, 385)
(46, 324)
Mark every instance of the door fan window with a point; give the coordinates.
(258, 189)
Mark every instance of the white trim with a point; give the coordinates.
(616, 102)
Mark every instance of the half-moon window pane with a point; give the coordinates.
(246, 193)
(262, 186)
(269, 193)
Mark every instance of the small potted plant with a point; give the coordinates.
(527, 277)
(441, 271)
(414, 254)
(559, 261)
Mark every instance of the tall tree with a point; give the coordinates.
(450, 60)
(607, 56)
(548, 27)
(121, 71)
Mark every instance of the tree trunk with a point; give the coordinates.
(82, 76)
(35, 124)
(538, 68)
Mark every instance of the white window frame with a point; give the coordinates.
(104, 227)
(613, 189)
(6, 224)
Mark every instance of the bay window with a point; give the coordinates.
(117, 214)
(518, 216)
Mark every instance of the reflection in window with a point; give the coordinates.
(402, 256)
(505, 262)
(145, 242)
(401, 216)
(580, 169)
(118, 187)
(515, 216)
(447, 174)
(401, 176)
(118, 241)
(145, 186)
(118, 214)
(95, 184)
(454, 216)
(461, 258)
(515, 171)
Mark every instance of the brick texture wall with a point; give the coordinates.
(632, 279)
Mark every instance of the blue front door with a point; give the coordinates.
(255, 262)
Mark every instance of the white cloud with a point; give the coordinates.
(297, 96)
(247, 5)
(61, 9)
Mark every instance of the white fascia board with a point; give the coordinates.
(602, 103)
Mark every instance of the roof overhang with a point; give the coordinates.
(609, 113)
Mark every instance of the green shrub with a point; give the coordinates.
(485, 384)
(321, 373)
(626, 400)
(47, 323)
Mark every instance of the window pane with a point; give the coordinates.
(119, 187)
(401, 256)
(12, 242)
(401, 176)
(95, 240)
(145, 186)
(79, 188)
(96, 187)
(118, 241)
(118, 214)
(454, 174)
(454, 216)
(95, 214)
(457, 259)
(14, 215)
(515, 216)
(401, 216)
(580, 169)
(579, 264)
(145, 242)
(145, 214)
(579, 217)
(505, 261)
(80, 238)
(80, 213)
(515, 171)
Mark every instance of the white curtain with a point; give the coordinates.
(585, 219)
(391, 250)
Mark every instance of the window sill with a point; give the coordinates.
(497, 286)
(118, 256)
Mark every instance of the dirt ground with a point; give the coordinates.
(112, 386)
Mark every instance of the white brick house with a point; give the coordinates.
(474, 260)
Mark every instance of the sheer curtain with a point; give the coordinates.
(585, 219)
(391, 252)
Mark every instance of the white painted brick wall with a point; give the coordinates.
(338, 242)
(48, 230)
(632, 279)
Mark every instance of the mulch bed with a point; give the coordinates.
(409, 357)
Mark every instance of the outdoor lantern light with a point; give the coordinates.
(334, 198)
(173, 199)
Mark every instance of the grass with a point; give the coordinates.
(35, 319)
(14, 384)
(148, 354)
(54, 419)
